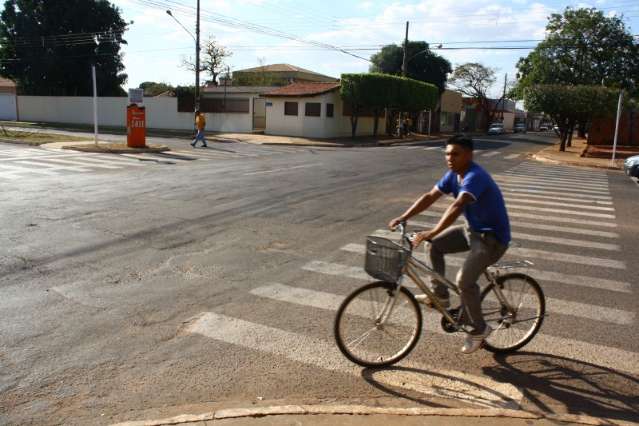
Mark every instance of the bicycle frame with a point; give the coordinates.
(414, 266)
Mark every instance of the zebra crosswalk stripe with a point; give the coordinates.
(548, 218)
(573, 349)
(539, 226)
(82, 163)
(325, 355)
(490, 154)
(442, 206)
(525, 190)
(16, 168)
(553, 187)
(557, 277)
(557, 203)
(511, 156)
(548, 182)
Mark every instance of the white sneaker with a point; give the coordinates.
(474, 341)
(422, 298)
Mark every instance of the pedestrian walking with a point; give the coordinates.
(200, 124)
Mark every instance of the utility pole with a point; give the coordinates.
(614, 144)
(503, 98)
(405, 61)
(197, 58)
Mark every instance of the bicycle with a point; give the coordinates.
(393, 309)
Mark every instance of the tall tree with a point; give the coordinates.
(473, 80)
(151, 88)
(214, 60)
(582, 46)
(424, 65)
(48, 46)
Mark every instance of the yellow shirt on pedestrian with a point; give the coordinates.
(200, 122)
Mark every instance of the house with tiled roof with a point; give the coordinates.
(314, 110)
(277, 75)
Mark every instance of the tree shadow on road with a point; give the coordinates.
(549, 382)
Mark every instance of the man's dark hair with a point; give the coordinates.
(461, 140)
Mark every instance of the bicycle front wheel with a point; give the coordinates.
(378, 325)
(517, 321)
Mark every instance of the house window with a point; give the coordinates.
(290, 108)
(329, 110)
(313, 109)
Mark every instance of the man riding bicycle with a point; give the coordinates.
(486, 237)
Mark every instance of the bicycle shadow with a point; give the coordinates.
(420, 385)
(549, 381)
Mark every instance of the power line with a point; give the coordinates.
(234, 23)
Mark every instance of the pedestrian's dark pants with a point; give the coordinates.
(484, 251)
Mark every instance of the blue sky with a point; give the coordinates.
(157, 45)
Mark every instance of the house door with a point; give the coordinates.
(259, 114)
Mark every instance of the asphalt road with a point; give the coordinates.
(145, 286)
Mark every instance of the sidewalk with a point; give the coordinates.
(572, 156)
(356, 415)
(345, 142)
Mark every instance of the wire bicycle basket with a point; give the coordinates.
(385, 259)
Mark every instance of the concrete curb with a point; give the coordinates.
(234, 413)
(544, 159)
(351, 145)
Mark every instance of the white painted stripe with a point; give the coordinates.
(556, 277)
(561, 211)
(113, 160)
(604, 356)
(511, 156)
(570, 189)
(556, 179)
(81, 163)
(431, 148)
(560, 171)
(542, 180)
(325, 355)
(9, 175)
(509, 206)
(42, 164)
(490, 154)
(285, 169)
(557, 203)
(536, 238)
(543, 227)
(545, 192)
(413, 147)
(550, 218)
(337, 269)
(18, 169)
(547, 218)
(583, 201)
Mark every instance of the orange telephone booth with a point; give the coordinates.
(136, 126)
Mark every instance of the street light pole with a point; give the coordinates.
(197, 58)
(196, 38)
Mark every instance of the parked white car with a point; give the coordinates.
(496, 129)
(631, 166)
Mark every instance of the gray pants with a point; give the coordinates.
(484, 251)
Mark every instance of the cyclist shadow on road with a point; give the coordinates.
(435, 388)
(549, 381)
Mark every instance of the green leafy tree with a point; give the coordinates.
(424, 65)
(377, 91)
(152, 88)
(582, 47)
(49, 46)
(568, 105)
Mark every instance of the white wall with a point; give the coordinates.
(161, 113)
(8, 106)
(314, 127)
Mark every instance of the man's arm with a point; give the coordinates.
(422, 203)
(448, 218)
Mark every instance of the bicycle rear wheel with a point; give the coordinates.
(513, 329)
(371, 333)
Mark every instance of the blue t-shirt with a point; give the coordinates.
(488, 212)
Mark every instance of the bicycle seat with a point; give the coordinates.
(512, 264)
